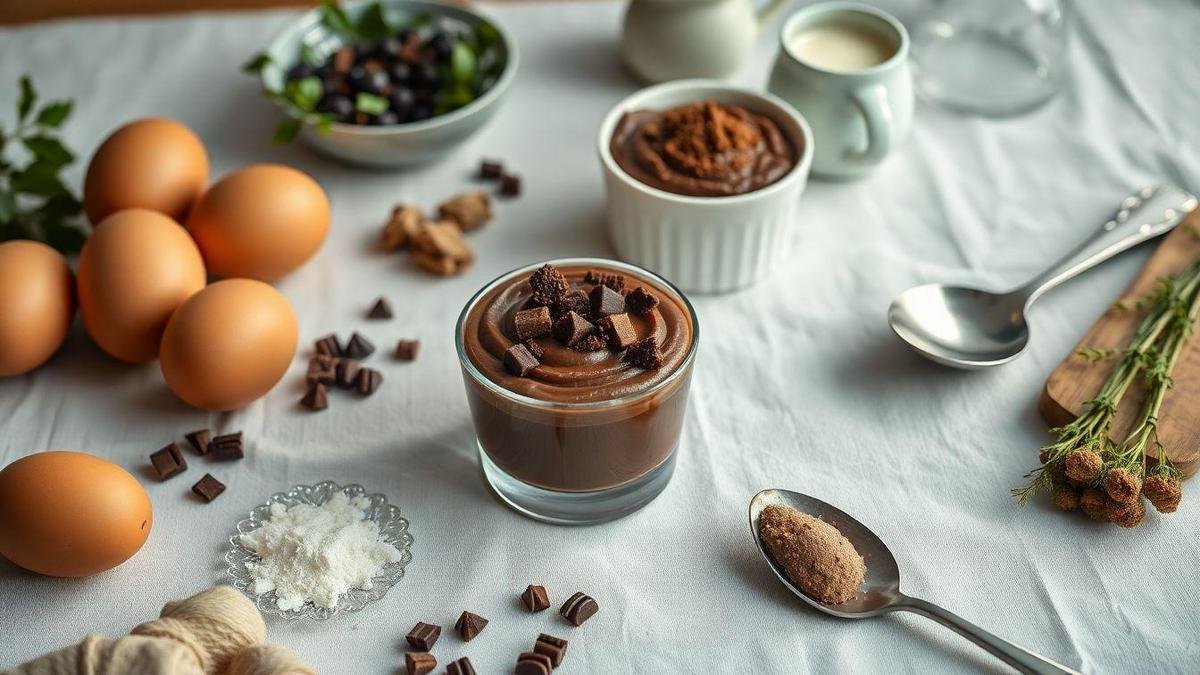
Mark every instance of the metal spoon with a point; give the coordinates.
(881, 590)
(971, 328)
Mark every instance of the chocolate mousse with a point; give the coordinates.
(702, 149)
(585, 389)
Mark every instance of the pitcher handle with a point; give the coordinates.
(872, 102)
(769, 10)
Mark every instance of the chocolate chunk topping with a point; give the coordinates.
(579, 608)
(346, 373)
(321, 369)
(227, 447)
(618, 330)
(460, 667)
(423, 635)
(368, 381)
(572, 328)
(198, 440)
(317, 398)
(168, 462)
(469, 625)
(208, 488)
(531, 323)
(358, 348)
(645, 354)
(380, 310)
(329, 345)
(510, 185)
(518, 360)
(548, 284)
(534, 348)
(419, 663)
(592, 343)
(532, 663)
(406, 350)
(535, 598)
(613, 281)
(605, 301)
(574, 301)
(490, 169)
(469, 210)
(641, 301)
(554, 647)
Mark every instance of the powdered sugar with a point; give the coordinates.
(317, 553)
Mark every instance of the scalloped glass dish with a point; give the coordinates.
(392, 526)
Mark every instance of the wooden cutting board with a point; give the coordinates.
(1075, 380)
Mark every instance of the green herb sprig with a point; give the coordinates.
(34, 201)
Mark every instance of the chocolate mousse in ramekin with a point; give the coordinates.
(577, 374)
(703, 181)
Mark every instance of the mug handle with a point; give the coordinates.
(769, 10)
(872, 102)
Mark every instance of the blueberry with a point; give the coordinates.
(370, 81)
(336, 104)
(400, 72)
(402, 99)
(389, 47)
(422, 111)
(427, 75)
(300, 71)
(385, 118)
(363, 50)
(443, 45)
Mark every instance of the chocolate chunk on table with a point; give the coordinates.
(469, 210)
(380, 310)
(460, 667)
(198, 439)
(328, 345)
(548, 284)
(641, 301)
(321, 369)
(227, 447)
(510, 185)
(406, 350)
(535, 598)
(423, 635)
(618, 330)
(572, 328)
(168, 462)
(490, 169)
(419, 663)
(316, 398)
(554, 647)
(469, 625)
(532, 323)
(208, 488)
(579, 608)
(401, 228)
(439, 248)
(605, 301)
(358, 348)
(532, 663)
(368, 382)
(346, 373)
(644, 354)
(518, 360)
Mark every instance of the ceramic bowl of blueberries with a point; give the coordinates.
(390, 83)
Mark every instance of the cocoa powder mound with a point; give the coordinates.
(813, 553)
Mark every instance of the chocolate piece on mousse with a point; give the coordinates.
(317, 398)
(208, 488)
(380, 310)
(645, 354)
(574, 301)
(535, 598)
(368, 381)
(346, 373)
(641, 301)
(423, 635)
(460, 667)
(518, 360)
(554, 647)
(605, 301)
(490, 169)
(592, 343)
(618, 330)
(406, 350)
(613, 281)
(419, 663)
(198, 440)
(358, 348)
(469, 210)
(532, 663)
(168, 462)
(579, 608)
(548, 284)
(572, 328)
(535, 348)
(227, 447)
(469, 625)
(532, 323)
(328, 345)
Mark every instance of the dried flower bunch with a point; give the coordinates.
(1085, 469)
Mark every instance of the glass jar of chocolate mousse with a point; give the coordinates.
(577, 374)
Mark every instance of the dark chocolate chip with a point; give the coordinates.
(380, 310)
(532, 663)
(618, 330)
(535, 348)
(168, 462)
(592, 343)
(572, 328)
(358, 348)
(368, 382)
(419, 663)
(406, 350)
(518, 360)
(208, 488)
(469, 625)
(532, 323)
(329, 345)
(460, 667)
(645, 354)
(554, 647)
(490, 169)
(613, 281)
(605, 301)
(423, 635)
(347, 373)
(198, 440)
(316, 398)
(548, 284)
(510, 185)
(227, 447)
(641, 301)
(579, 608)
(535, 598)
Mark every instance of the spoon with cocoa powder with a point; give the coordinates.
(837, 565)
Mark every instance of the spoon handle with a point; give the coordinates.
(1141, 216)
(1020, 658)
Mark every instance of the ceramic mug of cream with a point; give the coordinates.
(844, 66)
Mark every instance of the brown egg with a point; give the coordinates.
(155, 164)
(70, 514)
(37, 302)
(229, 344)
(135, 270)
(260, 222)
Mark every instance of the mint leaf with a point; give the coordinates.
(8, 206)
(304, 93)
(462, 62)
(65, 238)
(49, 150)
(286, 130)
(324, 123)
(53, 114)
(373, 24)
(370, 103)
(310, 55)
(39, 178)
(27, 98)
(336, 20)
(257, 63)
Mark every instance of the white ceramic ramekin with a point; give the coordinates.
(705, 244)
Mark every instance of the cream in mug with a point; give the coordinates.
(841, 46)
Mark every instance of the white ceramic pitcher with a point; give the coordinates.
(675, 39)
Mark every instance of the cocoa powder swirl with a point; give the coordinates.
(703, 149)
(566, 375)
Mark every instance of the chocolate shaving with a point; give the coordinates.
(548, 284)
(645, 354)
(572, 328)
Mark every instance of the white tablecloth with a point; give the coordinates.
(799, 382)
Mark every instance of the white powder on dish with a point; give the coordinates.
(317, 553)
